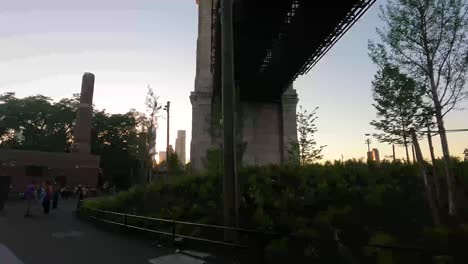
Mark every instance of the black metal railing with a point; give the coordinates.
(173, 223)
(255, 241)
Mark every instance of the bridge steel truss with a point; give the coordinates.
(277, 41)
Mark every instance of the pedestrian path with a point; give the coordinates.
(61, 238)
(7, 256)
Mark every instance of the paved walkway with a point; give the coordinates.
(61, 238)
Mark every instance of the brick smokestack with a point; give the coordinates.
(84, 115)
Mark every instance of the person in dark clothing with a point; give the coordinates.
(80, 194)
(47, 197)
(55, 196)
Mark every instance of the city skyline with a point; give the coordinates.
(134, 45)
(180, 144)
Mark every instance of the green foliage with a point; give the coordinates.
(466, 154)
(400, 106)
(213, 162)
(38, 123)
(429, 41)
(309, 151)
(294, 151)
(363, 203)
(174, 164)
(115, 138)
(149, 125)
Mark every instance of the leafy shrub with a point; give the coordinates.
(360, 202)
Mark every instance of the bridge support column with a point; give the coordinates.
(201, 128)
(268, 129)
(289, 102)
(202, 97)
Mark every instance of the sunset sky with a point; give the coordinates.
(45, 46)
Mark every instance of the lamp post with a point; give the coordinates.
(370, 155)
(167, 108)
(368, 142)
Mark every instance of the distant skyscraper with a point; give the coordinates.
(373, 155)
(180, 146)
(376, 155)
(162, 156)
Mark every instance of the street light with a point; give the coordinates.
(167, 109)
(368, 141)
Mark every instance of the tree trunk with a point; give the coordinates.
(414, 156)
(448, 171)
(407, 153)
(405, 142)
(434, 171)
(427, 181)
(394, 156)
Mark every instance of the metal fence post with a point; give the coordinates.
(173, 232)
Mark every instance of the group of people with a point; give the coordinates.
(47, 195)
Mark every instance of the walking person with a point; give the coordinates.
(56, 192)
(40, 190)
(30, 195)
(47, 197)
(80, 193)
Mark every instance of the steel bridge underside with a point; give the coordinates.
(275, 41)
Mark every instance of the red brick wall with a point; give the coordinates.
(84, 176)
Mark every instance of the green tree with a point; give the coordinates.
(466, 154)
(152, 109)
(427, 39)
(399, 104)
(115, 138)
(174, 164)
(37, 123)
(308, 149)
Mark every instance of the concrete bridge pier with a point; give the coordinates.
(202, 139)
(268, 129)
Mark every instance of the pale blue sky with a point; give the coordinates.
(46, 46)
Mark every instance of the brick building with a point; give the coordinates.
(70, 169)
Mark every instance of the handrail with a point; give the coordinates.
(264, 234)
(173, 222)
(184, 223)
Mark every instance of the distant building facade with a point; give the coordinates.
(373, 155)
(180, 146)
(162, 156)
(376, 155)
